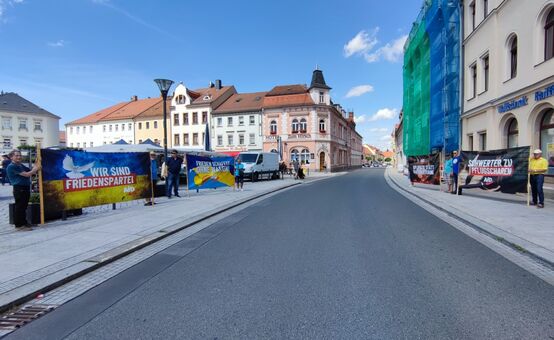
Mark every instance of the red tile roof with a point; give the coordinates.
(132, 109)
(210, 94)
(243, 102)
(97, 116)
(288, 100)
(156, 111)
(282, 90)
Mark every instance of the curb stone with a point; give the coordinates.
(521, 250)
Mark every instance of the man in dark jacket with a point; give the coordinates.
(173, 169)
(20, 177)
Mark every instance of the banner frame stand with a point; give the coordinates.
(529, 178)
(152, 188)
(187, 178)
(40, 187)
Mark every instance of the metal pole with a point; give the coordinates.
(164, 97)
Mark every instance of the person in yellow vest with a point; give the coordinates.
(537, 168)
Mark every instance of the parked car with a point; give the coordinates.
(258, 164)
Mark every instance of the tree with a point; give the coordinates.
(387, 159)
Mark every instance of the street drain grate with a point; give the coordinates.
(23, 316)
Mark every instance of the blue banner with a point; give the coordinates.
(205, 172)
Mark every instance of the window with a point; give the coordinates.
(513, 133)
(547, 129)
(321, 97)
(305, 156)
(6, 123)
(130, 126)
(116, 127)
(549, 36)
(84, 144)
(273, 127)
(473, 71)
(38, 125)
(252, 139)
(295, 125)
(204, 117)
(22, 124)
(252, 120)
(321, 125)
(303, 125)
(186, 118)
(486, 72)
(122, 127)
(219, 140)
(241, 139)
(140, 141)
(229, 140)
(203, 137)
(185, 139)
(156, 125)
(219, 121)
(71, 130)
(180, 99)
(176, 140)
(294, 155)
(22, 141)
(78, 145)
(482, 141)
(470, 142)
(485, 9)
(176, 119)
(91, 144)
(157, 141)
(147, 125)
(77, 129)
(472, 11)
(229, 121)
(195, 139)
(7, 143)
(195, 118)
(104, 128)
(513, 57)
(241, 120)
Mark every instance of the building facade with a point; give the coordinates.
(109, 125)
(24, 123)
(191, 111)
(302, 123)
(149, 124)
(509, 72)
(432, 81)
(237, 124)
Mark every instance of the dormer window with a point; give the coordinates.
(207, 97)
(321, 97)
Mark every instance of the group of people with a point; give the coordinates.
(538, 167)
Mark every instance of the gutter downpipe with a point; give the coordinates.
(462, 74)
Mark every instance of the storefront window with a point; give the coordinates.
(294, 155)
(513, 133)
(547, 130)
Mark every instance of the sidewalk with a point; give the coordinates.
(59, 251)
(505, 217)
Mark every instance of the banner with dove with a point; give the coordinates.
(78, 179)
(205, 172)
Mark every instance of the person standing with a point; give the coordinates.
(20, 177)
(154, 172)
(239, 175)
(456, 160)
(173, 170)
(296, 166)
(537, 168)
(5, 162)
(448, 174)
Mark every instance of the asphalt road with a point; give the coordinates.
(344, 258)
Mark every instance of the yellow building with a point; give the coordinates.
(149, 125)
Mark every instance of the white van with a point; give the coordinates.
(260, 164)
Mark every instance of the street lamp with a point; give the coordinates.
(164, 85)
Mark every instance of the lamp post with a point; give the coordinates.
(164, 85)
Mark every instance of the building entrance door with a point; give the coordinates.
(322, 161)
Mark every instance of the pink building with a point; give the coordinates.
(306, 125)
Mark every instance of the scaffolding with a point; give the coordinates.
(432, 80)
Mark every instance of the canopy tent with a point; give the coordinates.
(121, 142)
(150, 142)
(125, 148)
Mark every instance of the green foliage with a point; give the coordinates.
(34, 198)
(388, 159)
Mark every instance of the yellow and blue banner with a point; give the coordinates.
(205, 172)
(78, 179)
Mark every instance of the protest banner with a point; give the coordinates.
(504, 170)
(425, 169)
(205, 172)
(78, 179)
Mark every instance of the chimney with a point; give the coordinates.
(211, 84)
(134, 98)
(351, 116)
(218, 84)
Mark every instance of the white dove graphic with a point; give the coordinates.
(75, 171)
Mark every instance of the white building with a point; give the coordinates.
(191, 110)
(24, 123)
(509, 74)
(109, 125)
(237, 123)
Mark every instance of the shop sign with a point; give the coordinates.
(544, 94)
(513, 104)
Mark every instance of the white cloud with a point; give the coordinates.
(362, 43)
(359, 90)
(59, 43)
(384, 114)
(392, 51)
(360, 119)
(386, 138)
(4, 5)
(378, 130)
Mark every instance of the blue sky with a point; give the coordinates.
(75, 57)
